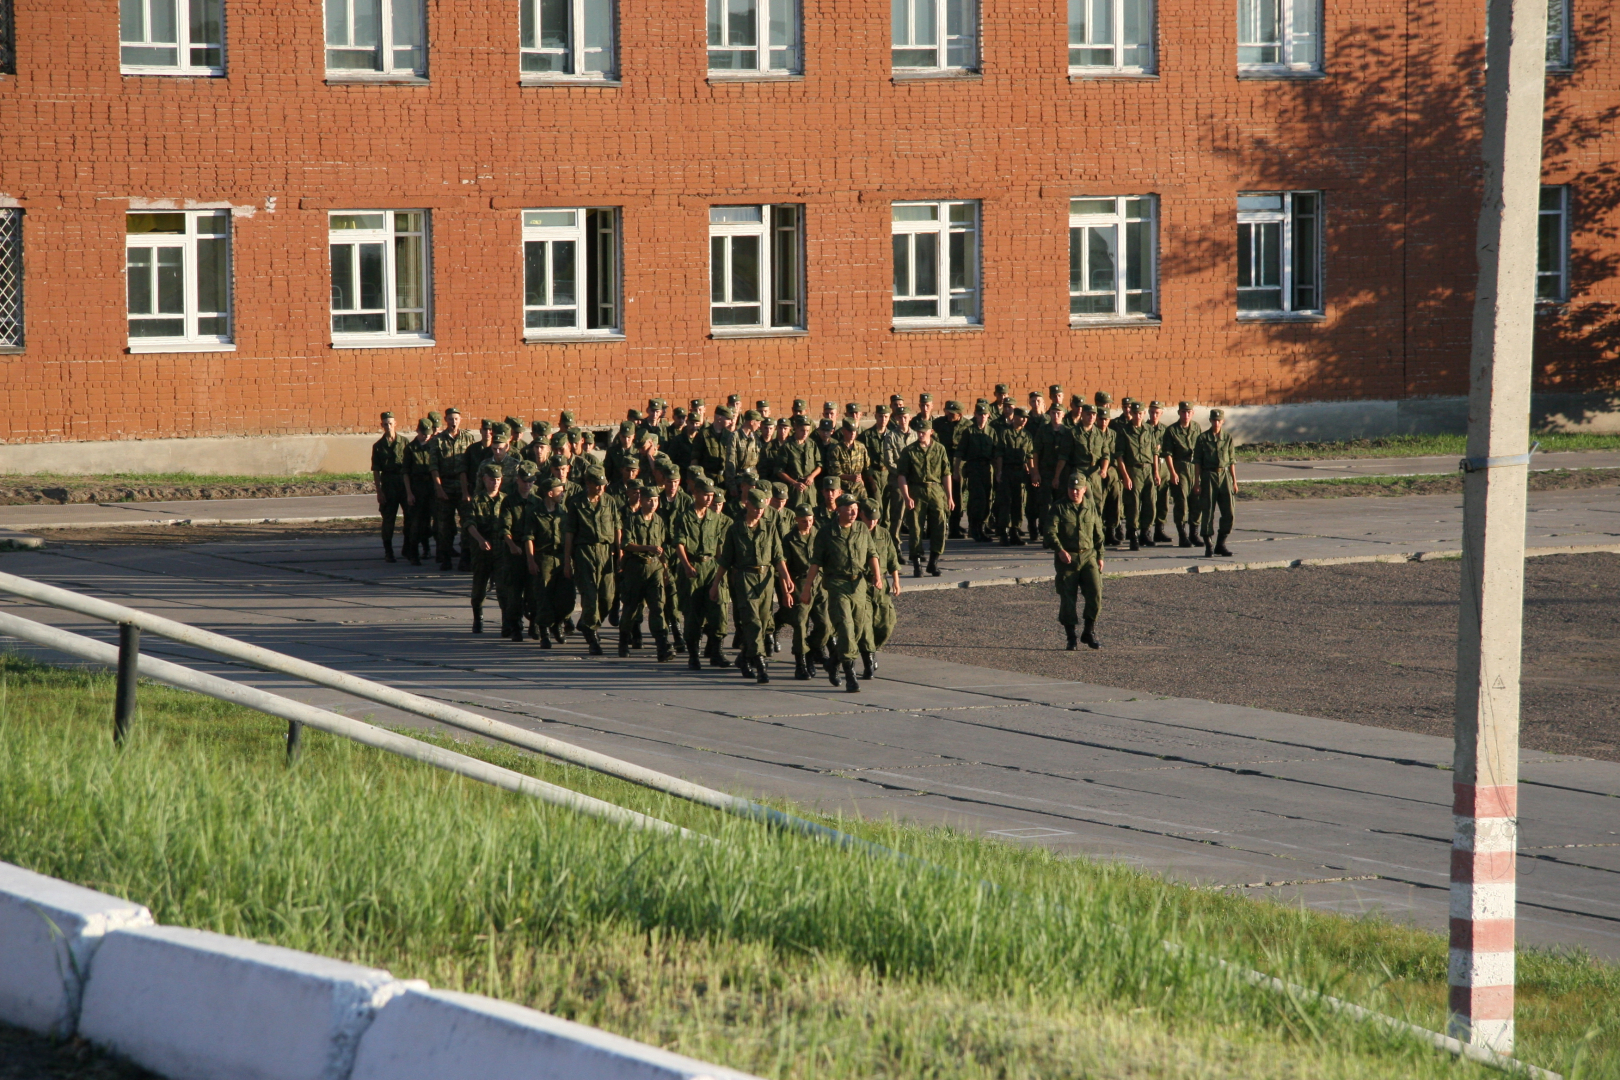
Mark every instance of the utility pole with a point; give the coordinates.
(1485, 778)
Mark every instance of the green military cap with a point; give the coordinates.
(424, 425)
(846, 499)
(722, 412)
(831, 483)
(778, 490)
(762, 404)
(880, 410)
(848, 425)
(1055, 391)
(925, 397)
(664, 463)
(1076, 481)
(625, 425)
(632, 464)
(981, 406)
(919, 424)
(1217, 414)
(695, 471)
(647, 487)
(594, 475)
(1155, 404)
(868, 508)
(798, 403)
(1102, 397)
(554, 483)
(1087, 407)
(501, 438)
(515, 423)
(733, 400)
(757, 497)
(804, 510)
(435, 419)
(953, 406)
(749, 474)
(799, 420)
(1187, 405)
(752, 414)
(678, 413)
(657, 403)
(829, 405)
(1075, 401)
(387, 416)
(1001, 389)
(634, 416)
(566, 417)
(1020, 412)
(781, 422)
(1126, 402)
(559, 439)
(697, 403)
(703, 484)
(850, 408)
(451, 411)
(825, 425)
(490, 468)
(484, 424)
(528, 470)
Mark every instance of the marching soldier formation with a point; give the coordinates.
(700, 525)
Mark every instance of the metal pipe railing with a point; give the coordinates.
(296, 712)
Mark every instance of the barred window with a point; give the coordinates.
(11, 277)
(8, 40)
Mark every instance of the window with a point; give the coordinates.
(754, 267)
(754, 35)
(177, 265)
(379, 277)
(936, 34)
(386, 37)
(1559, 53)
(1111, 35)
(11, 277)
(8, 39)
(570, 272)
(171, 37)
(1107, 280)
(1279, 252)
(567, 37)
(936, 263)
(1279, 35)
(1552, 245)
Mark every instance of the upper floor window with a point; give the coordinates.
(1112, 263)
(11, 278)
(754, 35)
(1279, 252)
(171, 37)
(936, 263)
(380, 37)
(570, 271)
(1552, 245)
(178, 270)
(1279, 36)
(567, 37)
(1559, 51)
(1111, 36)
(755, 272)
(936, 35)
(380, 271)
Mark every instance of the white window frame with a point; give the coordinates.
(1292, 38)
(11, 278)
(190, 339)
(765, 16)
(389, 336)
(387, 69)
(1558, 274)
(915, 15)
(578, 20)
(185, 12)
(1560, 41)
(1126, 211)
(1286, 217)
(541, 225)
(945, 295)
(1147, 10)
(777, 268)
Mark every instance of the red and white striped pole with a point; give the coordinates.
(1490, 615)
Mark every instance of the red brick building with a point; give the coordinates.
(236, 217)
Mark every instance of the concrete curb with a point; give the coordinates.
(146, 523)
(194, 1005)
(17, 541)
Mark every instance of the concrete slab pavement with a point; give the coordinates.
(1330, 814)
(1260, 472)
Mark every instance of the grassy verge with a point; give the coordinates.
(767, 953)
(1410, 446)
(155, 487)
(1358, 486)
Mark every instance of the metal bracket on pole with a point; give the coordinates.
(1470, 464)
(129, 655)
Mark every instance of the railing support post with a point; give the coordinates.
(129, 655)
(295, 740)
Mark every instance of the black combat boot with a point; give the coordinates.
(545, 638)
(1220, 543)
(1193, 538)
(534, 630)
(1136, 542)
(868, 664)
(745, 666)
(678, 640)
(1209, 548)
(760, 674)
(1068, 632)
(800, 670)
(916, 566)
(1145, 539)
(716, 657)
(624, 643)
(478, 620)
(1089, 634)
(1159, 535)
(388, 551)
(933, 565)
(851, 684)
(613, 612)
(592, 642)
(1181, 537)
(816, 658)
(693, 661)
(1007, 539)
(832, 670)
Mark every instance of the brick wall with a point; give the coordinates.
(1388, 135)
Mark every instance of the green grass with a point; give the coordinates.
(1410, 446)
(765, 952)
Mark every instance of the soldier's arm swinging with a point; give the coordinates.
(784, 583)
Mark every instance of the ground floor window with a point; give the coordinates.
(936, 263)
(379, 275)
(1113, 260)
(1279, 252)
(177, 266)
(570, 271)
(755, 273)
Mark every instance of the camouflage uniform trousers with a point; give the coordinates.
(799, 617)
(846, 604)
(593, 578)
(751, 593)
(1177, 495)
(699, 614)
(1078, 578)
(1140, 502)
(642, 588)
(446, 511)
(926, 520)
(976, 478)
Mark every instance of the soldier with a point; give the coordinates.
(877, 474)
(844, 561)
(1074, 532)
(1180, 441)
(751, 560)
(1155, 424)
(539, 448)
(1054, 411)
(483, 534)
(829, 413)
(1138, 452)
(925, 485)
(699, 532)
(1016, 470)
(878, 624)
(948, 432)
(436, 420)
(892, 442)
(830, 488)
(420, 466)
(621, 450)
(641, 561)
(673, 501)
(976, 469)
(1088, 453)
(452, 488)
(848, 459)
(512, 575)
(589, 537)
(1215, 458)
(1112, 494)
(479, 452)
(745, 449)
(797, 543)
(546, 601)
(799, 463)
(1043, 438)
(388, 477)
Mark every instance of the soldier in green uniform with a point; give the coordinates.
(797, 544)
(420, 466)
(1075, 535)
(925, 485)
(590, 535)
(621, 451)
(1016, 470)
(1042, 430)
(1155, 424)
(1215, 457)
(976, 454)
(512, 585)
(892, 442)
(641, 558)
(752, 562)
(546, 601)
(947, 431)
(1138, 452)
(673, 501)
(479, 452)
(878, 617)
(699, 532)
(1179, 442)
(1112, 494)
(388, 477)
(848, 459)
(452, 489)
(844, 561)
(1089, 453)
(483, 536)
(799, 463)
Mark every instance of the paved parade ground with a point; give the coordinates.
(1337, 815)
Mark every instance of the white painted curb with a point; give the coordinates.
(49, 930)
(444, 1035)
(191, 1005)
